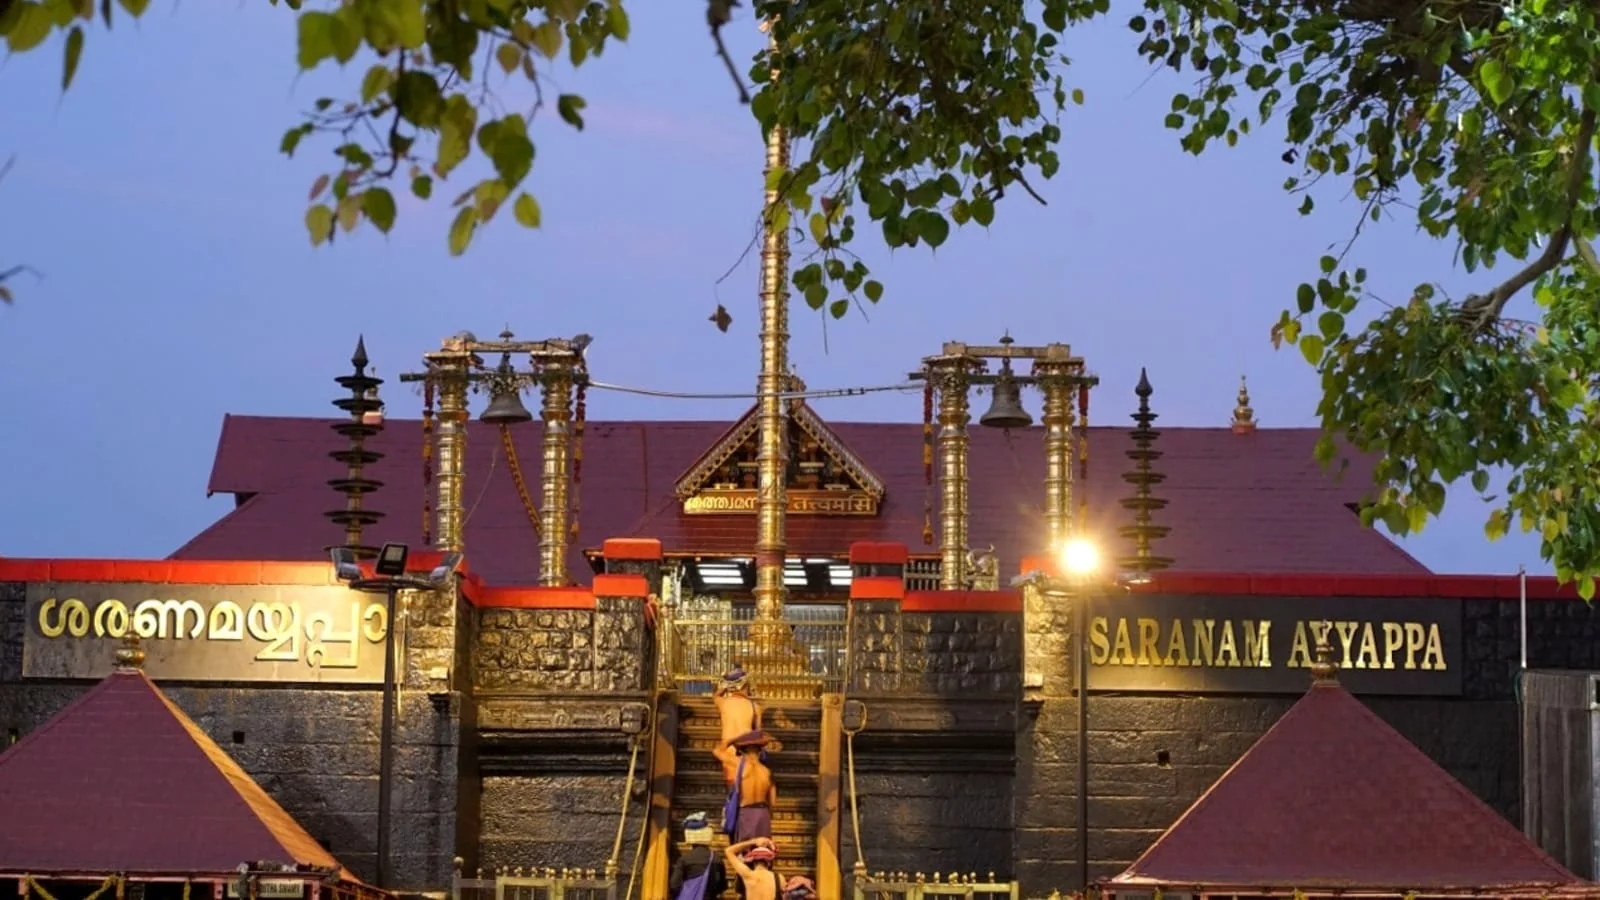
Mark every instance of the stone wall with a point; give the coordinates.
(934, 653)
(315, 750)
(563, 650)
(563, 816)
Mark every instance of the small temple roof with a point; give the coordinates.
(1332, 797)
(122, 781)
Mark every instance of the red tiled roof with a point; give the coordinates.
(122, 781)
(1254, 503)
(1332, 797)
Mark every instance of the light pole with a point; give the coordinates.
(389, 579)
(1080, 560)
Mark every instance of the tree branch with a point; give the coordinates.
(1478, 310)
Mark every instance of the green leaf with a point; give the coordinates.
(1077, 96)
(1497, 526)
(316, 38)
(407, 21)
(933, 228)
(547, 39)
(379, 206)
(570, 107)
(319, 223)
(839, 308)
(1480, 481)
(30, 25)
(983, 211)
(1331, 324)
(135, 8)
(873, 290)
(1305, 299)
(527, 212)
(461, 229)
(510, 149)
(377, 82)
(456, 125)
(617, 21)
(1311, 348)
(509, 56)
(422, 187)
(1496, 82)
(69, 66)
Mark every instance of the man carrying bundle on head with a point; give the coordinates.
(747, 815)
(698, 874)
(752, 861)
(739, 714)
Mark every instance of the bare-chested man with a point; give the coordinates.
(752, 794)
(752, 862)
(739, 714)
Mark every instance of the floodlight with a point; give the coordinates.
(447, 566)
(344, 564)
(392, 560)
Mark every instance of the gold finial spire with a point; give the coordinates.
(130, 656)
(1244, 418)
(1324, 671)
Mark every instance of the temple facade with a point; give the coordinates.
(950, 704)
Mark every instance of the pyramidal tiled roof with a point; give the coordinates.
(122, 781)
(1333, 797)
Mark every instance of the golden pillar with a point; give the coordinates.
(772, 455)
(556, 479)
(1056, 383)
(451, 374)
(952, 378)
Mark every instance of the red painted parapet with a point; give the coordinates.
(962, 602)
(879, 553)
(878, 570)
(636, 549)
(530, 597)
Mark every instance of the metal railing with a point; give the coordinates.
(901, 886)
(922, 574)
(809, 661)
(534, 884)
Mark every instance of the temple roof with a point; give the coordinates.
(1332, 797)
(122, 781)
(1256, 503)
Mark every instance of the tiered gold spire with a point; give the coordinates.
(130, 656)
(1324, 671)
(1244, 418)
(362, 424)
(1143, 478)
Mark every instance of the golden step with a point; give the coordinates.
(793, 805)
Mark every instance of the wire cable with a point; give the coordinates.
(784, 395)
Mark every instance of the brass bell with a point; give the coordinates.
(1005, 410)
(505, 403)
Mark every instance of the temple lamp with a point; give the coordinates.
(389, 578)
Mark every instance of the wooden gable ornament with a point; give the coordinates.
(824, 477)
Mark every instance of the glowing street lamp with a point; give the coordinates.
(1080, 557)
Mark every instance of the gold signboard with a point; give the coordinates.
(1267, 644)
(286, 633)
(742, 501)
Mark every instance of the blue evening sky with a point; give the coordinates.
(180, 284)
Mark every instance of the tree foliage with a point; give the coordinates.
(1476, 119)
(912, 118)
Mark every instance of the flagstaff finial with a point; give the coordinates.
(1324, 671)
(1244, 418)
(130, 656)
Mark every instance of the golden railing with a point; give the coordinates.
(810, 659)
(901, 886)
(534, 884)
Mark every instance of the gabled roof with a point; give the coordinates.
(743, 432)
(1333, 797)
(1254, 504)
(122, 781)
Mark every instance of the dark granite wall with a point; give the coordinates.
(559, 818)
(563, 649)
(939, 654)
(315, 750)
